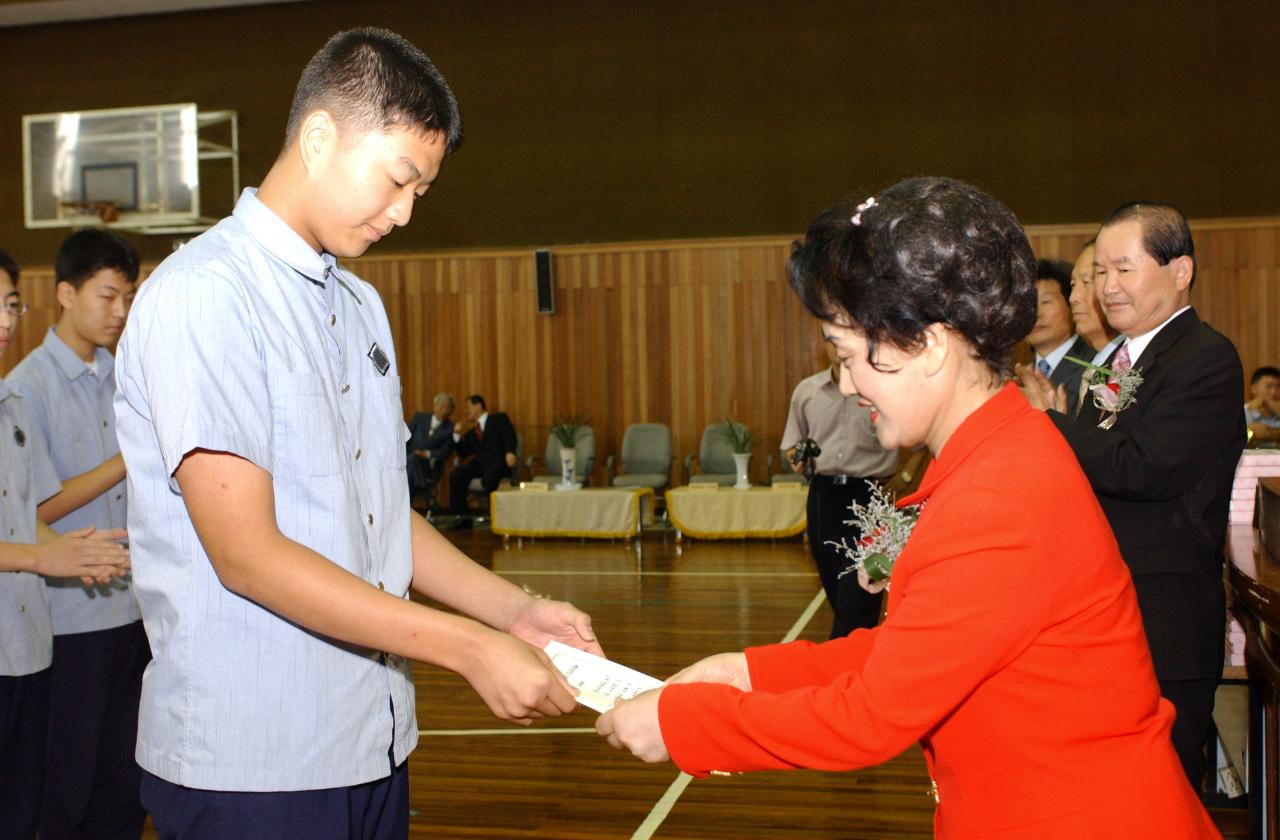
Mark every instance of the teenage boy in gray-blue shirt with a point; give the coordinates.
(29, 549)
(99, 646)
(259, 413)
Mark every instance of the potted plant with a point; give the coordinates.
(737, 436)
(565, 429)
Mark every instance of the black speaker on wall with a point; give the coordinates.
(546, 286)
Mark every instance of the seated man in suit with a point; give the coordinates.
(492, 440)
(1053, 336)
(430, 442)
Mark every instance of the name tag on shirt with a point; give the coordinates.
(380, 361)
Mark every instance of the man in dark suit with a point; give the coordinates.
(1053, 336)
(1163, 468)
(430, 442)
(492, 440)
(1090, 320)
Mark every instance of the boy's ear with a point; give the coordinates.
(66, 294)
(316, 138)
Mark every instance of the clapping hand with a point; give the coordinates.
(89, 554)
(1038, 390)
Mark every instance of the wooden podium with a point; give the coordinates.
(1254, 574)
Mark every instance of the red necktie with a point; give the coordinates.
(480, 432)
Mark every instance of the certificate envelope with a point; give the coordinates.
(599, 681)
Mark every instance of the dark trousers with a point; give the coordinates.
(24, 722)
(828, 508)
(372, 811)
(1193, 701)
(488, 473)
(91, 777)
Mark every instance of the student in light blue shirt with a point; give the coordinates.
(259, 413)
(29, 549)
(99, 646)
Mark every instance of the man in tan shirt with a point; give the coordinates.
(851, 459)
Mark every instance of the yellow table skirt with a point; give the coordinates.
(603, 513)
(730, 514)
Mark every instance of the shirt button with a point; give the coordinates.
(104, 424)
(380, 586)
(371, 519)
(22, 608)
(333, 319)
(358, 454)
(119, 496)
(4, 492)
(345, 387)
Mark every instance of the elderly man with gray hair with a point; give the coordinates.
(430, 442)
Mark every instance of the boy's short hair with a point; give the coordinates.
(90, 250)
(1265, 370)
(10, 266)
(476, 399)
(372, 79)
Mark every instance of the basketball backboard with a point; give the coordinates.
(134, 168)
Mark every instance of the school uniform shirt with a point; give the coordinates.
(247, 341)
(70, 403)
(26, 480)
(1012, 650)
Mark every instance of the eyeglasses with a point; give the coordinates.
(16, 310)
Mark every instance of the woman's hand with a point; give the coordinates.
(633, 725)
(726, 668)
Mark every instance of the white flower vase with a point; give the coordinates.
(741, 460)
(568, 465)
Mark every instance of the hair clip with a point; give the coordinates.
(863, 207)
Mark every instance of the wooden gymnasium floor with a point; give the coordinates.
(656, 607)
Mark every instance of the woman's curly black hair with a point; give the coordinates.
(927, 251)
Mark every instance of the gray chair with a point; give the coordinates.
(714, 462)
(785, 474)
(645, 457)
(585, 444)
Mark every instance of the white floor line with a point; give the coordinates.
(510, 730)
(664, 805)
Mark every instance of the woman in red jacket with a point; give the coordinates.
(1012, 647)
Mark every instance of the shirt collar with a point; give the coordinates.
(1102, 355)
(990, 417)
(5, 390)
(73, 366)
(275, 237)
(1139, 343)
(1058, 352)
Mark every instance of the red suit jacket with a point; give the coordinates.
(1012, 650)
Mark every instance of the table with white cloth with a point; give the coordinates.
(730, 513)
(597, 512)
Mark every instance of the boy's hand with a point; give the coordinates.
(89, 554)
(542, 620)
(517, 682)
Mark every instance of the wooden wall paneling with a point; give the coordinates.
(683, 333)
